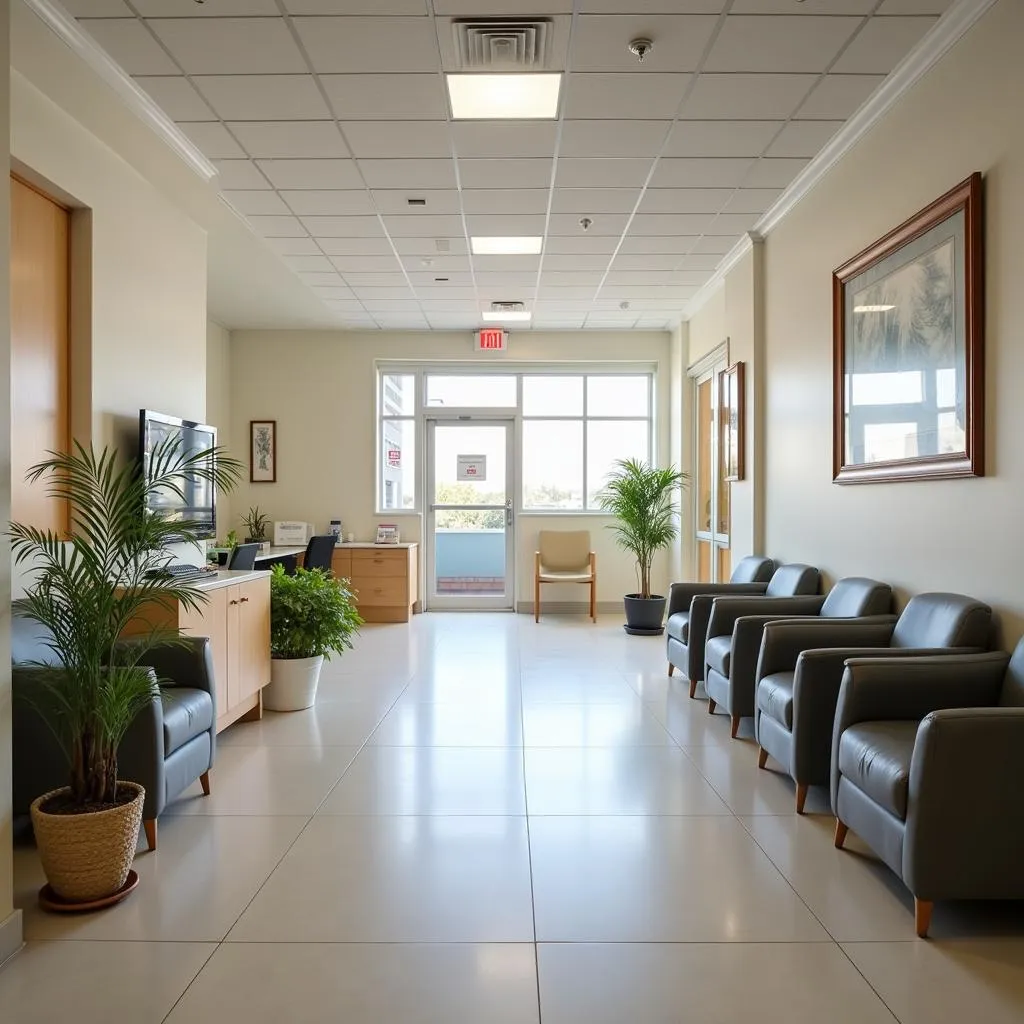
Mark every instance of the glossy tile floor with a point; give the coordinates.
(489, 821)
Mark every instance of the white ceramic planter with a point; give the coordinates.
(293, 683)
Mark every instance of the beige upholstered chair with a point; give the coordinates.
(564, 556)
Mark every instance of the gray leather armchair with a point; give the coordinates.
(737, 623)
(800, 669)
(927, 758)
(171, 743)
(750, 576)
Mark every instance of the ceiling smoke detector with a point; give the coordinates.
(640, 48)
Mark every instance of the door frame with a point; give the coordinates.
(433, 601)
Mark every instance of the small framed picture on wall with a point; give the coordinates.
(263, 451)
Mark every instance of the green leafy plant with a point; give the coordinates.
(89, 585)
(256, 524)
(231, 541)
(643, 500)
(311, 614)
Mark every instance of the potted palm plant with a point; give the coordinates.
(643, 500)
(312, 616)
(86, 587)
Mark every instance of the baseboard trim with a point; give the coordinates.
(568, 607)
(11, 939)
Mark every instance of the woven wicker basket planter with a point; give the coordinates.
(88, 856)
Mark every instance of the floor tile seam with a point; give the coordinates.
(191, 982)
(867, 981)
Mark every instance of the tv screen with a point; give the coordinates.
(200, 496)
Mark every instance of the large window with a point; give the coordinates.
(398, 441)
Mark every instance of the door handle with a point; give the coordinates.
(508, 511)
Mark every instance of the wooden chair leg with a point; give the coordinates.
(204, 781)
(922, 916)
(150, 826)
(536, 600)
(711, 705)
(593, 600)
(840, 836)
(762, 757)
(801, 797)
(734, 725)
(693, 688)
(671, 668)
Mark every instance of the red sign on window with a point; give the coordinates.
(491, 339)
(395, 458)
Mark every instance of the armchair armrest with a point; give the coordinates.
(681, 594)
(188, 662)
(965, 823)
(784, 641)
(726, 610)
(700, 614)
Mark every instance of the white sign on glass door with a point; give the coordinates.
(471, 467)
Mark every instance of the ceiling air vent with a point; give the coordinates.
(508, 307)
(502, 43)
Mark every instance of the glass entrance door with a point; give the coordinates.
(470, 558)
(712, 492)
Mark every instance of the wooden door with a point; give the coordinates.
(212, 620)
(40, 232)
(253, 640)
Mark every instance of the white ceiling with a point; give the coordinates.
(325, 116)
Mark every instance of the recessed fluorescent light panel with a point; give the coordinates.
(872, 309)
(504, 97)
(511, 245)
(506, 316)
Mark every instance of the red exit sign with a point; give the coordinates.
(491, 339)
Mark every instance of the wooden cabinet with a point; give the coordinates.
(236, 618)
(384, 579)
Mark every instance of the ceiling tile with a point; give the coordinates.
(356, 45)
(321, 280)
(460, 299)
(783, 43)
(359, 279)
(328, 203)
(684, 200)
(881, 44)
(176, 97)
(294, 139)
(388, 299)
(569, 245)
(554, 296)
(775, 173)
(239, 174)
(600, 41)
(623, 173)
(386, 139)
(664, 296)
(496, 224)
(751, 200)
(450, 287)
(457, 246)
(705, 263)
(915, 6)
(583, 278)
(483, 139)
(345, 305)
(671, 223)
(731, 223)
(721, 138)
(602, 224)
(509, 264)
(715, 244)
(687, 172)
(321, 174)
(230, 46)
(255, 202)
(647, 244)
(806, 7)
(263, 97)
(397, 201)
(746, 97)
(645, 262)
(517, 201)
(212, 138)
(517, 279)
(594, 200)
(492, 174)
(294, 246)
(343, 227)
(278, 227)
(803, 138)
(366, 264)
(97, 8)
(502, 8)
(356, 6)
(131, 45)
(408, 174)
(577, 261)
(838, 96)
(423, 225)
(355, 246)
(436, 263)
(309, 264)
(336, 293)
(624, 95)
(612, 138)
(209, 9)
(386, 97)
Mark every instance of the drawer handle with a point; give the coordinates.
(232, 602)
(244, 600)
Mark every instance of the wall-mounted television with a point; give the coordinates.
(200, 496)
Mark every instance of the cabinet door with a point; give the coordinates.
(253, 638)
(232, 618)
(211, 620)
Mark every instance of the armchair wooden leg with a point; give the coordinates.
(734, 725)
(204, 781)
(693, 688)
(536, 600)
(922, 916)
(801, 797)
(671, 668)
(711, 705)
(840, 837)
(593, 600)
(762, 757)
(150, 826)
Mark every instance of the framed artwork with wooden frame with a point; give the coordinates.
(263, 451)
(731, 416)
(908, 349)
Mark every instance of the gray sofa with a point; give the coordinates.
(928, 754)
(688, 616)
(734, 634)
(170, 744)
(800, 669)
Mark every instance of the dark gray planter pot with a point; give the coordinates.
(644, 615)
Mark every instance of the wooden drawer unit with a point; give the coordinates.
(380, 563)
(384, 579)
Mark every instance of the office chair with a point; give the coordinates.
(243, 557)
(319, 552)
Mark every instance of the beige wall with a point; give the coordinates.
(218, 408)
(145, 328)
(320, 387)
(958, 535)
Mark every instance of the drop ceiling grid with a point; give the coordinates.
(662, 219)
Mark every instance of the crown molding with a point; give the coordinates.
(944, 34)
(57, 19)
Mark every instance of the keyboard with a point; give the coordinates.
(183, 571)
